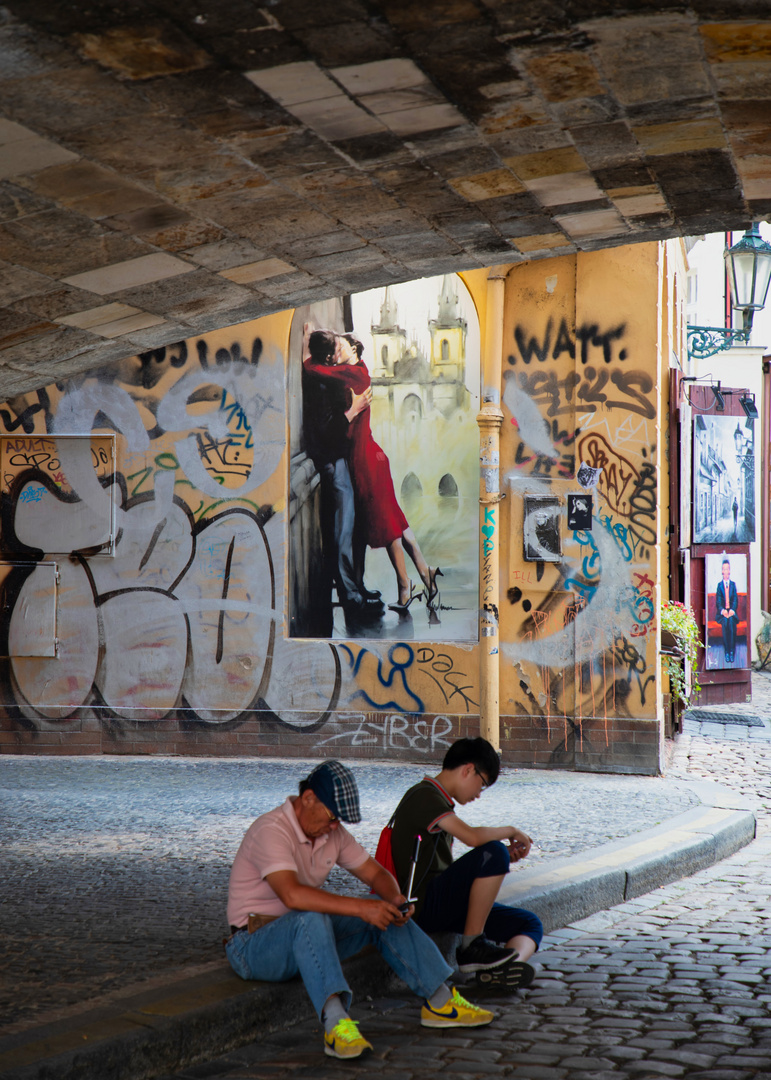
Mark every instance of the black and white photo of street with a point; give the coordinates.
(723, 480)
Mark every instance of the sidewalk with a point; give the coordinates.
(113, 903)
(735, 722)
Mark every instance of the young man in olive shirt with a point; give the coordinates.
(460, 896)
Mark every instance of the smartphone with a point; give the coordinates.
(405, 907)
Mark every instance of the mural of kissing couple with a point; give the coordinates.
(359, 507)
(383, 468)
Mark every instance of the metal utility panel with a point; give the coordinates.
(28, 599)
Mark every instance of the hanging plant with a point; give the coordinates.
(679, 621)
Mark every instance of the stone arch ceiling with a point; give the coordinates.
(168, 167)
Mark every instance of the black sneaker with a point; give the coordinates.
(506, 978)
(482, 954)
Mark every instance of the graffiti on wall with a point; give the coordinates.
(585, 615)
(182, 614)
(155, 489)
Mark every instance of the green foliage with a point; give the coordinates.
(681, 623)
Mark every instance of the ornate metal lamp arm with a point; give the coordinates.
(704, 341)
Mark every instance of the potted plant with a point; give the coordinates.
(680, 646)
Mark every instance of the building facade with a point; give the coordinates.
(161, 531)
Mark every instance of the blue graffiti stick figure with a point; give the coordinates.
(394, 680)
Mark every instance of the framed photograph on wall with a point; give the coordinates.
(727, 611)
(723, 480)
(542, 532)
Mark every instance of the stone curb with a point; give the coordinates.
(568, 890)
(189, 1019)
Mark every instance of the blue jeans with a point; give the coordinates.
(314, 944)
(339, 527)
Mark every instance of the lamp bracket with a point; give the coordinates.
(704, 341)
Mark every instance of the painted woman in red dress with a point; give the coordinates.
(377, 510)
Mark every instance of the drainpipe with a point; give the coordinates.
(490, 420)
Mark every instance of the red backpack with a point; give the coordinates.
(384, 854)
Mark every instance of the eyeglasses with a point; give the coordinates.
(485, 782)
(329, 813)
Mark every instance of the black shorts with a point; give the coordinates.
(447, 898)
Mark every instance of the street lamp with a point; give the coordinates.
(749, 273)
(749, 270)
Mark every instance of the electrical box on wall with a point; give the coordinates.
(28, 602)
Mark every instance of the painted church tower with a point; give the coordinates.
(448, 350)
(448, 335)
(389, 338)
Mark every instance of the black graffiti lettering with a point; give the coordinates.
(560, 436)
(23, 420)
(564, 342)
(627, 655)
(468, 701)
(521, 457)
(587, 334)
(642, 506)
(626, 381)
(589, 392)
(605, 340)
(543, 386)
(154, 363)
(543, 466)
(530, 348)
(567, 465)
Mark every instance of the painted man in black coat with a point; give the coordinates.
(727, 603)
(326, 410)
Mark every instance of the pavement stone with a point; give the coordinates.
(700, 1009)
(95, 847)
(670, 983)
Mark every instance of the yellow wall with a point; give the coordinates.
(581, 384)
(150, 633)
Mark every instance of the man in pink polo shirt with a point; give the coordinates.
(283, 921)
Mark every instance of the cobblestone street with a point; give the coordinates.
(117, 869)
(672, 984)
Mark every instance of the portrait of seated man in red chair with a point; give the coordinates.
(727, 610)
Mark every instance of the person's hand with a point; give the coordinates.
(404, 917)
(359, 404)
(519, 845)
(380, 913)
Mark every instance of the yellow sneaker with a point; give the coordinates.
(345, 1041)
(456, 1013)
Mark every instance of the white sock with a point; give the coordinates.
(440, 998)
(466, 940)
(333, 1012)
